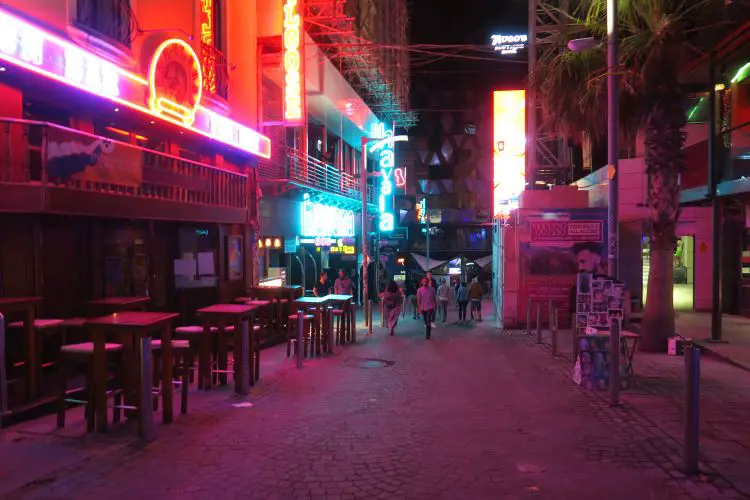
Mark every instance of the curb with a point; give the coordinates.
(708, 348)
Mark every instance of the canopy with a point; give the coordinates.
(426, 266)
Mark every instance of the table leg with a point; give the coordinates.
(146, 396)
(221, 354)
(204, 357)
(353, 322)
(330, 330)
(3, 371)
(254, 352)
(98, 394)
(32, 361)
(167, 367)
(241, 355)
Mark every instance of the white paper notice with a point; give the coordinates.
(206, 264)
(184, 267)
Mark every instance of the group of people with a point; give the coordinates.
(431, 298)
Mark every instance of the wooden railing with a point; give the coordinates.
(52, 156)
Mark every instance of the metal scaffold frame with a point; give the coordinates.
(366, 38)
(548, 25)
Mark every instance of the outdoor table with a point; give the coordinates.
(109, 305)
(347, 304)
(132, 326)
(320, 305)
(219, 315)
(27, 306)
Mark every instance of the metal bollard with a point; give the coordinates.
(382, 314)
(3, 371)
(245, 359)
(553, 330)
(147, 395)
(691, 418)
(614, 362)
(539, 322)
(528, 315)
(300, 336)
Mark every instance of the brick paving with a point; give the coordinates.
(473, 413)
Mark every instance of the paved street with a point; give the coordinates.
(472, 414)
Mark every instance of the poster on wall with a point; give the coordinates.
(555, 246)
(74, 155)
(234, 258)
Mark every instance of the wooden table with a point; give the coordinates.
(347, 305)
(130, 326)
(321, 311)
(220, 315)
(26, 306)
(109, 305)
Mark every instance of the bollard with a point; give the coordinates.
(553, 330)
(300, 336)
(3, 371)
(147, 394)
(382, 314)
(369, 319)
(539, 322)
(614, 362)
(245, 359)
(528, 315)
(691, 418)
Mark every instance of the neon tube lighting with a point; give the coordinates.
(242, 137)
(741, 73)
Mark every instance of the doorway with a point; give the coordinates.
(684, 272)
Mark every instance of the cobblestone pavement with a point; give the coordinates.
(471, 414)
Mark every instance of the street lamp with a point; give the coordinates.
(612, 153)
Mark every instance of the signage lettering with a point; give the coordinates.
(509, 44)
(292, 49)
(400, 175)
(325, 221)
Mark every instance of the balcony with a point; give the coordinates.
(307, 172)
(46, 168)
(215, 72)
(112, 19)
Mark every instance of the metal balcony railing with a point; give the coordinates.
(114, 19)
(50, 156)
(215, 73)
(304, 170)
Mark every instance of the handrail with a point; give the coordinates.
(25, 158)
(320, 175)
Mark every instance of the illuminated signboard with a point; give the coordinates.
(173, 99)
(386, 163)
(509, 44)
(422, 211)
(207, 41)
(399, 175)
(320, 220)
(509, 158)
(292, 56)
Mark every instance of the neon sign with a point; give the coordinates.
(292, 57)
(26, 46)
(509, 157)
(207, 41)
(325, 221)
(400, 175)
(509, 44)
(207, 29)
(386, 163)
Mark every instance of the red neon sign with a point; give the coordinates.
(207, 28)
(400, 175)
(292, 57)
(26, 46)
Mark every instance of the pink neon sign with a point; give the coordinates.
(25, 45)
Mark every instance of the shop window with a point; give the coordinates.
(112, 19)
(197, 262)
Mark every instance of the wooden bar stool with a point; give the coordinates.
(291, 333)
(44, 329)
(72, 355)
(184, 359)
(339, 330)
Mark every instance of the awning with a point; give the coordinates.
(427, 266)
(483, 261)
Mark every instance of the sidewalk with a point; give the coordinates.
(656, 401)
(473, 413)
(735, 330)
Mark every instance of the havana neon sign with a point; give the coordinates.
(27, 46)
(292, 57)
(386, 163)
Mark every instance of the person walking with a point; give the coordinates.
(427, 303)
(444, 293)
(433, 284)
(392, 305)
(462, 299)
(413, 299)
(476, 292)
(343, 284)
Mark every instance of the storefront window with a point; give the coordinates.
(196, 264)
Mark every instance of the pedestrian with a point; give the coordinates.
(322, 287)
(476, 292)
(433, 284)
(444, 294)
(392, 305)
(413, 300)
(343, 285)
(462, 299)
(427, 303)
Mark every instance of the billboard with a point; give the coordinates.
(509, 143)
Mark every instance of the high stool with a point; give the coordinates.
(77, 354)
(291, 333)
(339, 330)
(45, 328)
(184, 358)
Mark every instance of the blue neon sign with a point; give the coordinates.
(318, 220)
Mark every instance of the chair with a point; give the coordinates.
(338, 331)
(45, 328)
(291, 333)
(183, 358)
(76, 354)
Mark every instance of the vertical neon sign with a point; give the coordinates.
(509, 157)
(386, 163)
(292, 57)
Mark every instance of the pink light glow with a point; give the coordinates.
(27, 46)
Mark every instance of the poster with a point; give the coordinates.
(555, 246)
(88, 158)
(234, 258)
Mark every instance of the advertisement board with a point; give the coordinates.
(509, 143)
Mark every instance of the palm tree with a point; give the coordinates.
(571, 90)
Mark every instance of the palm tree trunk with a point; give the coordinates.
(664, 160)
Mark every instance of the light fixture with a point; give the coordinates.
(268, 242)
(2, 68)
(260, 243)
(277, 243)
(719, 87)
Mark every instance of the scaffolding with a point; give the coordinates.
(549, 25)
(367, 40)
